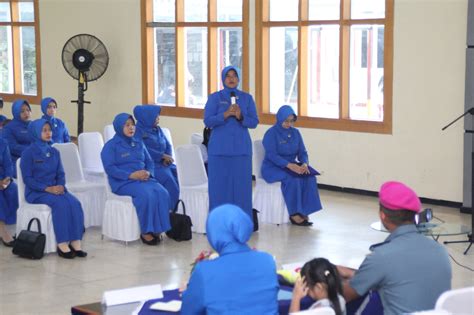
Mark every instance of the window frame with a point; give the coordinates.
(212, 25)
(16, 55)
(343, 123)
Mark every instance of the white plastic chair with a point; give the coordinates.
(27, 211)
(167, 134)
(267, 198)
(459, 301)
(90, 146)
(120, 218)
(91, 195)
(193, 185)
(196, 138)
(109, 132)
(326, 310)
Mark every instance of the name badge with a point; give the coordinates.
(283, 141)
(38, 161)
(125, 154)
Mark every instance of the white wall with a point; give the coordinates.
(428, 85)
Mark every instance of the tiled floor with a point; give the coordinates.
(341, 233)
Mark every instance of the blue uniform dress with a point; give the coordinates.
(409, 271)
(41, 168)
(60, 132)
(241, 280)
(16, 133)
(8, 196)
(157, 145)
(2, 120)
(121, 156)
(283, 146)
(230, 148)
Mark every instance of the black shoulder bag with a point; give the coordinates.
(30, 244)
(180, 224)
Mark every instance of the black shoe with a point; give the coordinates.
(67, 255)
(158, 237)
(9, 244)
(302, 223)
(79, 253)
(151, 242)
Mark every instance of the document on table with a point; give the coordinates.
(129, 295)
(171, 306)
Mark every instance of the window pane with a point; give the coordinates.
(324, 9)
(283, 10)
(163, 11)
(196, 72)
(367, 9)
(27, 11)
(229, 11)
(28, 59)
(366, 73)
(6, 60)
(229, 50)
(283, 67)
(5, 12)
(165, 66)
(195, 11)
(323, 71)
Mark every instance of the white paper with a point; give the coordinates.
(129, 295)
(171, 306)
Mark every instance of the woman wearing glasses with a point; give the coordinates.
(49, 106)
(286, 161)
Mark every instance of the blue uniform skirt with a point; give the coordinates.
(9, 204)
(68, 217)
(168, 177)
(230, 181)
(152, 203)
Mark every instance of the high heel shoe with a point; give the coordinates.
(302, 223)
(79, 253)
(67, 255)
(151, 242)
(9, 244)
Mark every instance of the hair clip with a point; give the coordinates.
(326, 273)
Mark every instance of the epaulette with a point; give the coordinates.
(372, 247)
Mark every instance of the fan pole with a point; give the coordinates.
(81, 88)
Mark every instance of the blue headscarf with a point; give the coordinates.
(283, 113)
(34, 130)
(228, 228)
(227, 89)
(44, 108)
(119, 123)
(16, 110)
(146, 116)
(3, 118)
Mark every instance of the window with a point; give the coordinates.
(19, 50)
(186, 45)
(331, 60)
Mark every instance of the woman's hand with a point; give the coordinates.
(305, 168)
(229, 112)
(238, 113)
(55, 190)
(141, 175)
(167, 159)
(295, 168)
(4, 183)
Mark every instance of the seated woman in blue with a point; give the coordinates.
(240, 280)
(16, 132)
(130, 170)
(149, 131)
(8, 194)
(45, 180)
(284, 148)
(49, 107)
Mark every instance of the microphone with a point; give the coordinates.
(233, 98)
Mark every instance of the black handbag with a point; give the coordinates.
(30, 244)
(255, 219)
(180, 224)
(206, 135)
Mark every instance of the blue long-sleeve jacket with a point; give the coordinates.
(6, 165)
(230, 137)
(121, 156)
(16, 132)
(241, 280)
(40, 164)
(58, 127)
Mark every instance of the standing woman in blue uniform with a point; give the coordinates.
(49, 107)
(16, 132)
(130, 170)
(8, 194)
(230, 113)
(240, 280)
(149, 131)
(284, 149)
(44, 179)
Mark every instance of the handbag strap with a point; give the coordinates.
(37, 222)
(175, 210)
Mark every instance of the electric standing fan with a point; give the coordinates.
(85, 58)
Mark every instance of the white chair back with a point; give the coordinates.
(258, 156)
(325, 310)
(191, 171)
(167, 134)
(109, 132)
(21, 184)
(459, 301)
(197, 138)
(90, 146)
(71, 161)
